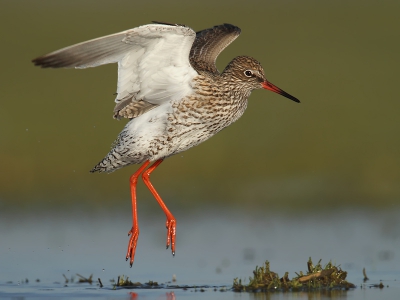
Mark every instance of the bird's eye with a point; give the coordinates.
(248, 73)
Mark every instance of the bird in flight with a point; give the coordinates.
(172, 93)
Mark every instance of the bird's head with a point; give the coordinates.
(247, 74)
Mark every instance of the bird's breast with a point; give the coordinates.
(202, 114)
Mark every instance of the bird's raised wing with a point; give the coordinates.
(153, 64)
(208, 44)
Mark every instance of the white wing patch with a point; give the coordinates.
(153, 61)
(158, 69)
(128, 77)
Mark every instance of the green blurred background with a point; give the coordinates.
(339, 148)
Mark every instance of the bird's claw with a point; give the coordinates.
(171, 234)
(134, 233)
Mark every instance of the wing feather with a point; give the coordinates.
(153, 62)
(209, 43)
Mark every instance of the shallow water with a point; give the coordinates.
(212, 248)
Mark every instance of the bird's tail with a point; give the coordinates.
(110, 163)
(100, 167)
(103, 166)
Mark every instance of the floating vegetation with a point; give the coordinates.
(365, 275)
(317, 277)
(376, 285)
(83, 279)
(380, 285)
(126, 283)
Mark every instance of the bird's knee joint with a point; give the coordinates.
(145, 176)
(133, 179)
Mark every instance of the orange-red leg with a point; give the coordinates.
(134, 232)
(171, 221)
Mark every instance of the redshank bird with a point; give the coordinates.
(171, 91)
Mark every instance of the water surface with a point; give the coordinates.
(213, 247)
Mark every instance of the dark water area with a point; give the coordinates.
(213, 248)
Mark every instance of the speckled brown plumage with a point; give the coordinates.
(131, 108)
(216, 102)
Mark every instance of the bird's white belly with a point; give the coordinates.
(164, 131)
(145, 138)
(157, 134)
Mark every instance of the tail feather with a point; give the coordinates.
(100, 167)
(109, 164)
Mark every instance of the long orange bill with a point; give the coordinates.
(269, 86)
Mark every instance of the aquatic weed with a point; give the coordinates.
(316, 277)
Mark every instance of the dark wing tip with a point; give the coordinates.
(232, 28)
(49, 61)
(229, 28)
(209, 43)
(167, 23)
(35, 62)
(41, 61)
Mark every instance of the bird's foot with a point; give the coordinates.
(134, 233)
(171, 234)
